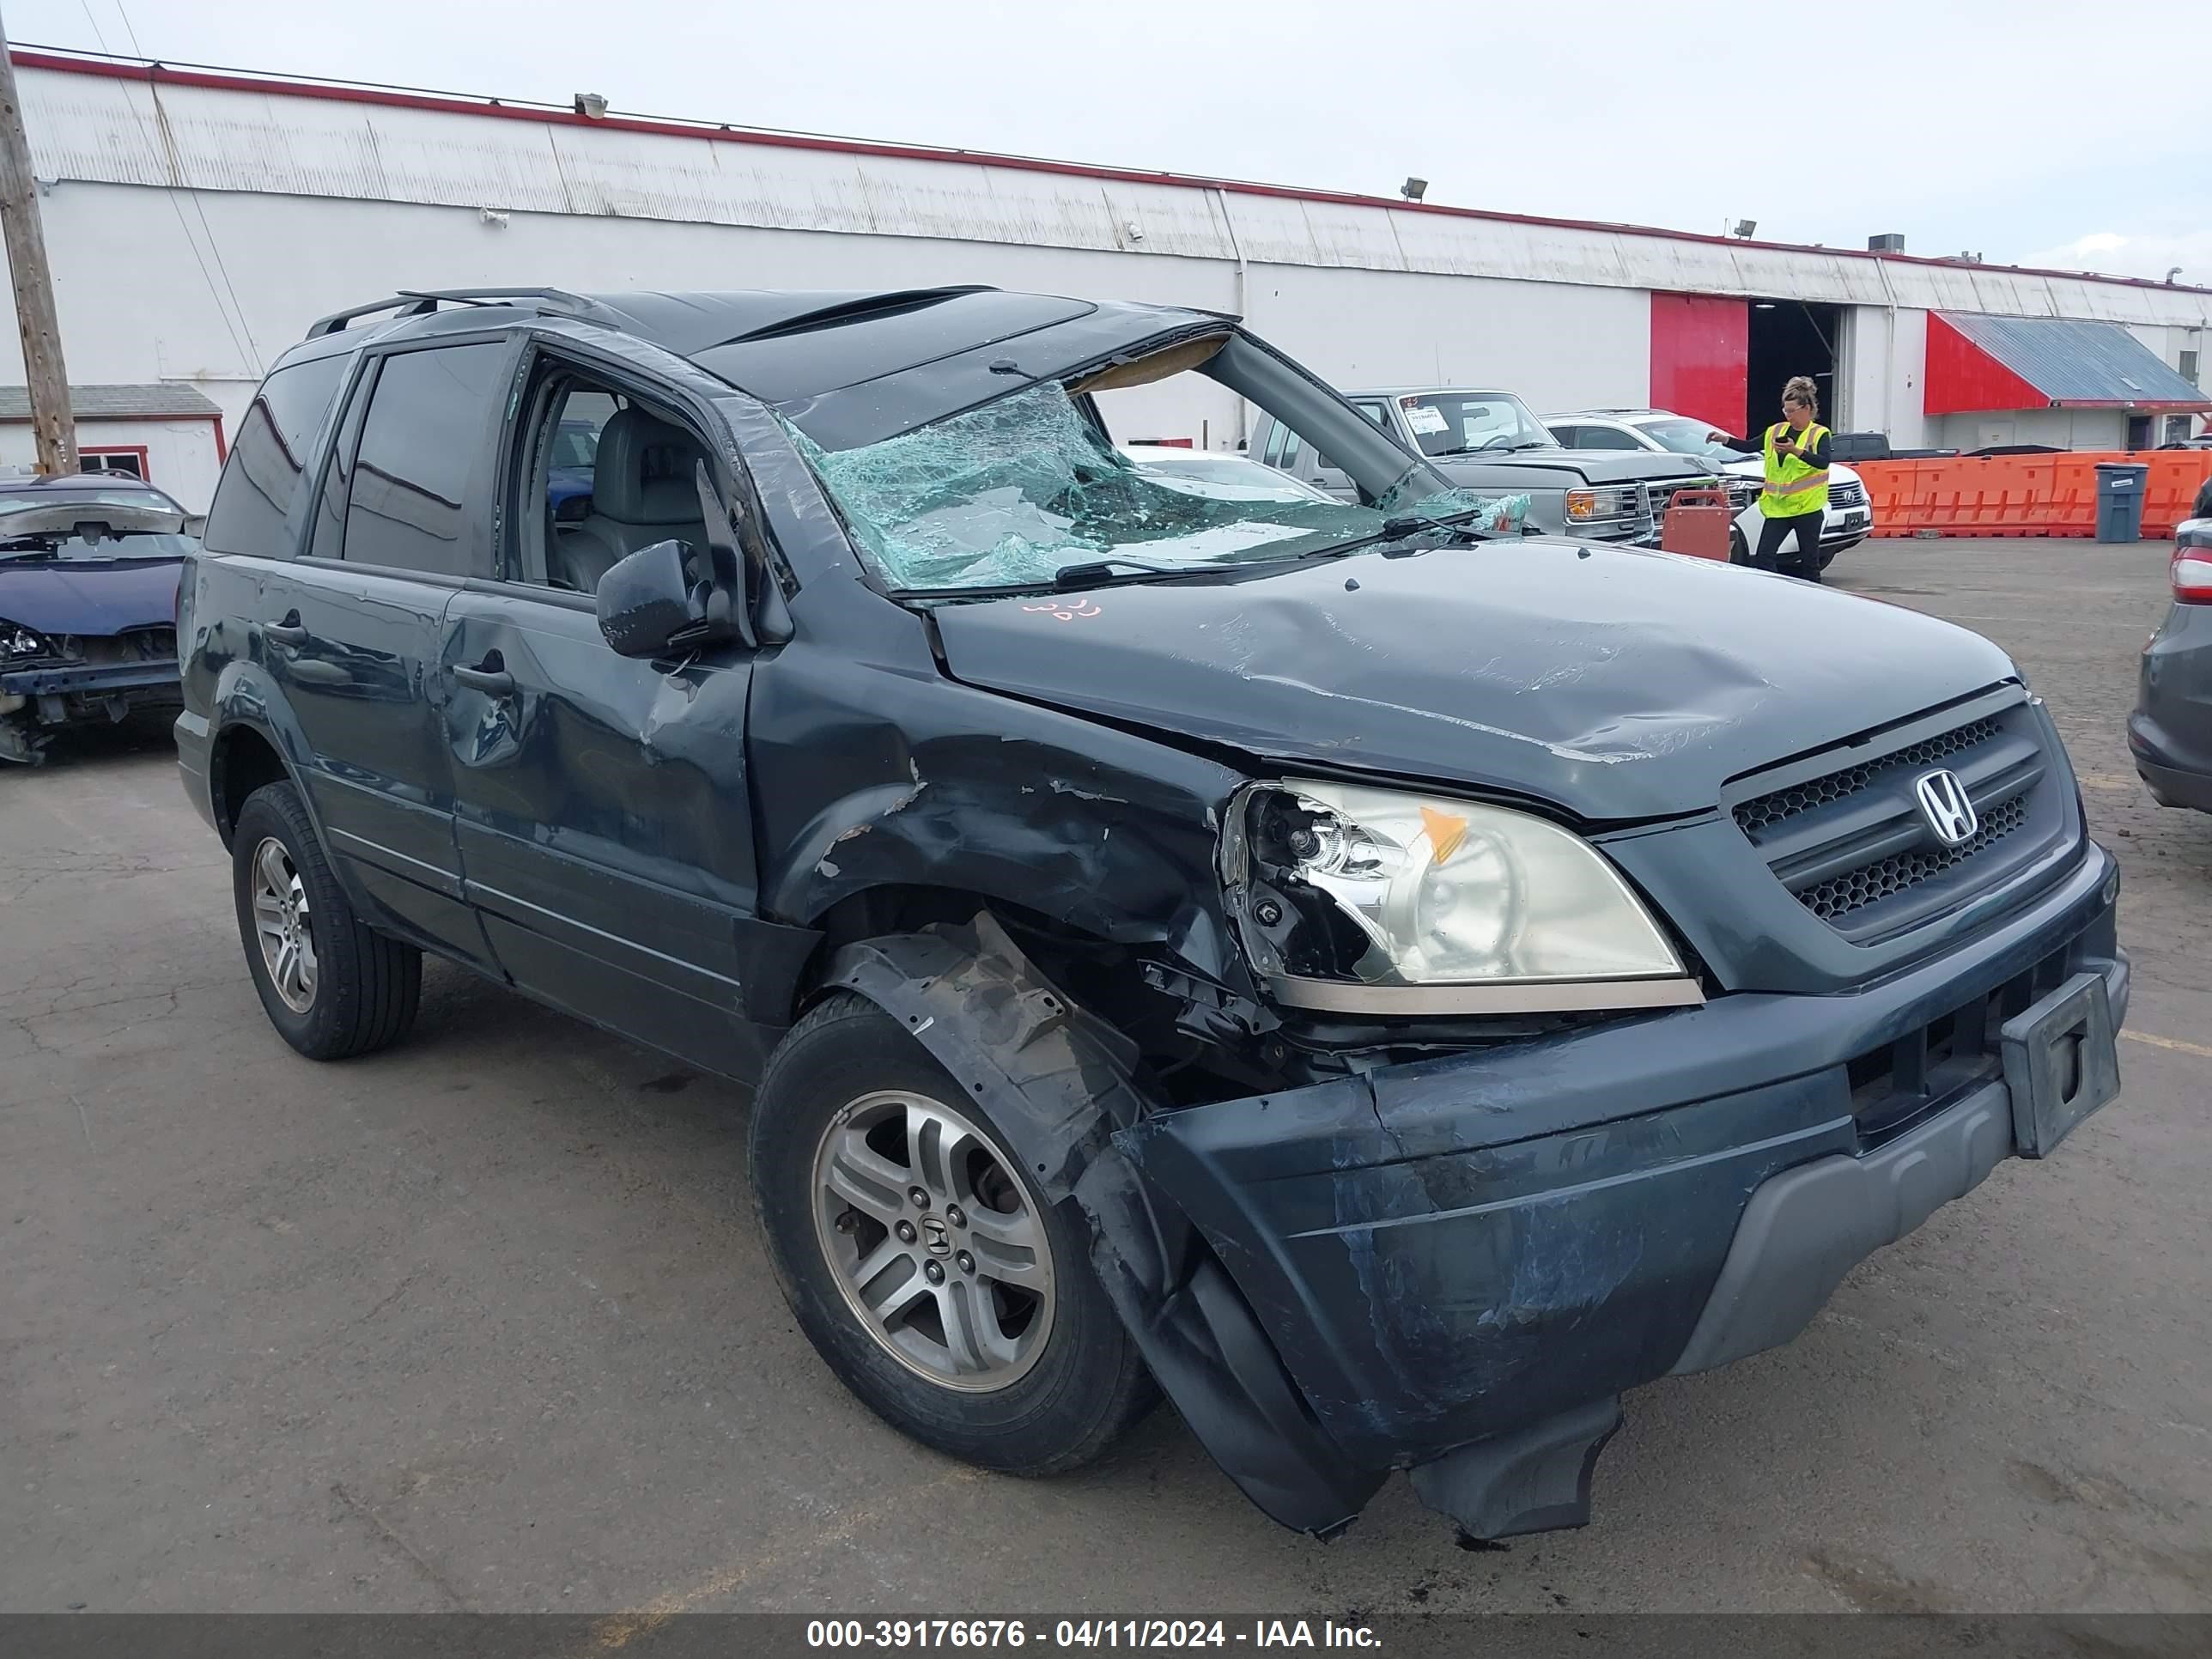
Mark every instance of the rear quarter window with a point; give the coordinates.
(253, 501)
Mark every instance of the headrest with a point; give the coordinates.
(642, 472)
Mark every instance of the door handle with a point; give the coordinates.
(288, 632)
(489, 677)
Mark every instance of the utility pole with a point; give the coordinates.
(52, 422)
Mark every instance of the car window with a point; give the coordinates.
(1471, 423)
(1272, 453)
(597, 474)
(255, 493)
(1374, 412)
(1602, 437)
(428, 420)
(584, 415)
(1683, 436)
(1290, 448)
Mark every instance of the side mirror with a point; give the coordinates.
(645, 604)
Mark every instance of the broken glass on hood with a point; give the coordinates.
(1014, 492)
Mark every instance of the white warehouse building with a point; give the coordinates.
(197, 221)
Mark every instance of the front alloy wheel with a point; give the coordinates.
(923, 1262)
(937, 1248)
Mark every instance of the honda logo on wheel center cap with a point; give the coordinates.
(934, 1237)
(1947, 807)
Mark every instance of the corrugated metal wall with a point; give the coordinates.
(194, 234)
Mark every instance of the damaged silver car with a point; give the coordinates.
(1389, 982)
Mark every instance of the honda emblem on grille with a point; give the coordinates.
(1944, 803)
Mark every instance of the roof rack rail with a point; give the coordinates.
(417, 302)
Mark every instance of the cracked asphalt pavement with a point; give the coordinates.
(484, 1322)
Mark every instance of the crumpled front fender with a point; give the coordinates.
(1058, 1085)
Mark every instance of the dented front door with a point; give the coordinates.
(603, 818)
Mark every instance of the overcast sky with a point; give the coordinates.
(2075, 136)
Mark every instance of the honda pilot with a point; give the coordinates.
(1390, 986)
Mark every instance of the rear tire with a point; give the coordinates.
(992, 1341)
(332, 987)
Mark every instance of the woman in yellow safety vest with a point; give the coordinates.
(1795, 499)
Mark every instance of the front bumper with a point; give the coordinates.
(1470, 1252)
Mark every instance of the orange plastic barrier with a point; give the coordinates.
(2176, 475)
(2024, 494)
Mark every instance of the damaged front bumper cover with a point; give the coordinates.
(34, 702)
(1457, 1267)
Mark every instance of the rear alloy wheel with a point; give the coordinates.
(923, 1263)
(331, 985)
(284, 924)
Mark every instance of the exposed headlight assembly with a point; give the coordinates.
(18, 642)
(1357, 900)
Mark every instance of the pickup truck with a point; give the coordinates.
(1489, 442)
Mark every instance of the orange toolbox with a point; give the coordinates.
(1697, 523)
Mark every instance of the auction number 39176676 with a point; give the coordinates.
(1085, 1633)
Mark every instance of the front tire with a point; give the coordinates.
(921, 1260)
(332, 987)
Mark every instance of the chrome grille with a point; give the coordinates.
(1658, 497)
(1847, 492)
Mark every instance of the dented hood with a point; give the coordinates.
(1615, 682)
(88, 596)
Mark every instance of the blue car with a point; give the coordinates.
(88, 568)
(569, 478)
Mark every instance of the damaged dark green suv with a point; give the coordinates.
(1391, 986)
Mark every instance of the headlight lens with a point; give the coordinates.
(1586, 506)
(17, 642)
(1375, 887)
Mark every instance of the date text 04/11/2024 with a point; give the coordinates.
(1063, 1633)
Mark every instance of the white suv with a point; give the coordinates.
(1850, 514)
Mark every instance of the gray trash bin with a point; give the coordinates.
(2120, 499)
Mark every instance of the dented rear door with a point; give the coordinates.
(603, 818)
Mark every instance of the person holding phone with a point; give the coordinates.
(1794, 501)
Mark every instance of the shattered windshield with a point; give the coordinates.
(1017, 491)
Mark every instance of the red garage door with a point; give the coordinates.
(1700, 347)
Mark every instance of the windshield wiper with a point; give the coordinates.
(1489, 449)
(1100, 573)
(1460, 527)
